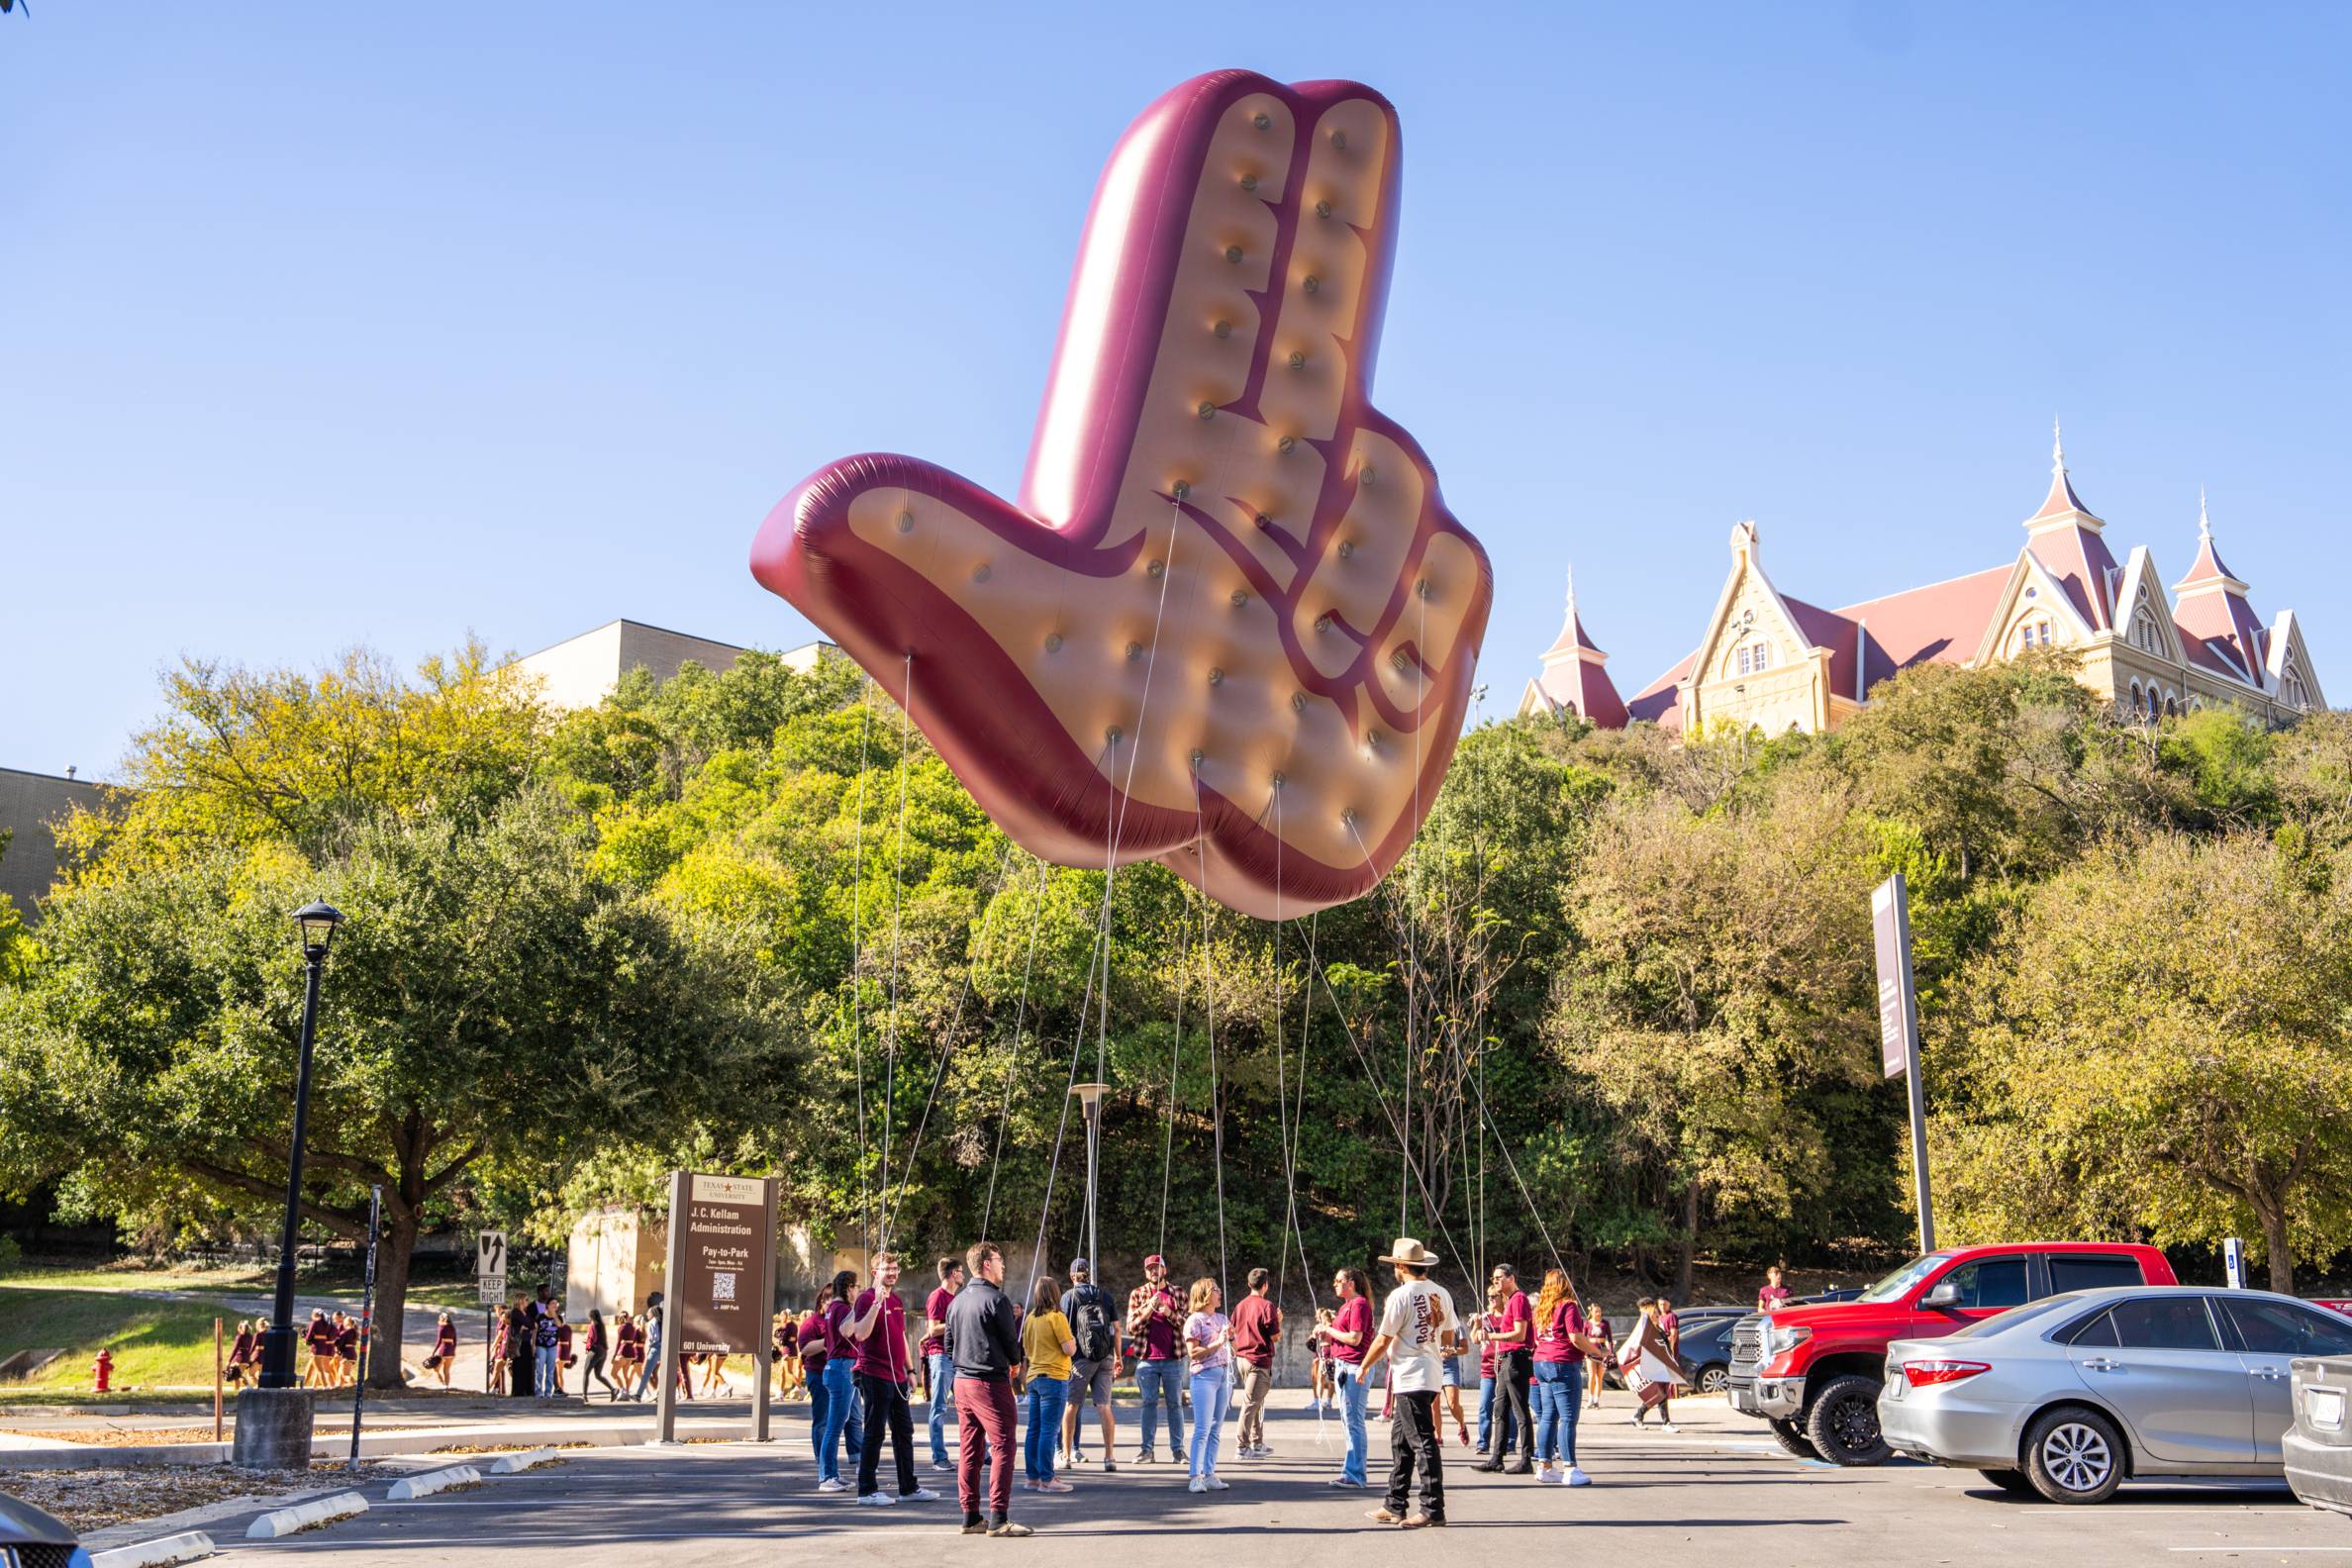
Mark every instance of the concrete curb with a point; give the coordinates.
(432, 1481)
(285, 1521)
(391, 1441)
(183, 1548)
(509, 1464)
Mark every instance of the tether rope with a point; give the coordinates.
(898, 870)
(1012, 1057)
(963, 994)
(865, 1201)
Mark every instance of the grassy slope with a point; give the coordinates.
(153, 1343)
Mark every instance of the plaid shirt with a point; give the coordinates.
(1139, 1314)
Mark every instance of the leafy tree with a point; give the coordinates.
(2157, 1048)
(488, 1001)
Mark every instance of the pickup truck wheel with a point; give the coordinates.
(2075, 1455)
(2013, 1482)
(1843, 1422)
(1792, 1436)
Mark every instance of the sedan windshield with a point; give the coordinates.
(1899, 1284)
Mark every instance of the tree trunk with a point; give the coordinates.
(394, 1250)
(2271, 1212)
(1690, 1243)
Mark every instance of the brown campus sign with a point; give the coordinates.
(723, 1239)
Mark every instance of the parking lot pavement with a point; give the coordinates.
(1717, 1487)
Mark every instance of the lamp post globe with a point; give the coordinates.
(317, 921)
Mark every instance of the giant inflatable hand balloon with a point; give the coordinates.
(1232, 625)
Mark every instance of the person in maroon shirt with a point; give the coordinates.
(1671, 1326)
(347, 1348)
(1349, 1335)
(939, 1376)
(877, 1327)
(445, 1349)
(1511, 1331)
(1257, 1329)
(840, 1381)
(1597, 1373)
(1774, 1294)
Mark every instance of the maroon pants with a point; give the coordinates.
(984, 1433)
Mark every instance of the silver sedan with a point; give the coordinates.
(2075, 1394)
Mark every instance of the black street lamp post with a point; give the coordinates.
(317, 921)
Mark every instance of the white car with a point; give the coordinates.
(2073, 1395)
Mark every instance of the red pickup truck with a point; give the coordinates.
(1813, 1371)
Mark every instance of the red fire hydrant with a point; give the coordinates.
(102, 1369)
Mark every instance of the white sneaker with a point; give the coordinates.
(920, 1494)
(1577, 1477)
(942, 1467)
(877, 1499)
(833, 1484)
(1197, 1484)
(1218, 1484)
(1547, 1475)
(1677, 1430)
(1342, 1481)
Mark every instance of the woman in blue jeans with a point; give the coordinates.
(1048, 1343)
(1562, 1341)
(1208, 1350)
(834, 1400)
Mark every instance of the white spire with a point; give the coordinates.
(2057, 448)
(2204, 523)
(1572, 596)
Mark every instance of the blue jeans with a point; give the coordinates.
(544, 1381)
(1352, 1395)
(1212, 1392)
(841, 1419)
(943, 1375)
(1559, 1391)
(1158, 1382)
(1488, 1390)
(652, 1367)
(1040, 1443)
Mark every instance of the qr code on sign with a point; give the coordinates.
(723, 1286)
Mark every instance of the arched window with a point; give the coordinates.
(2145, 635)
(2034, 633)
(1753, 658)
(2171, 707)
(2135, 699)
(2291, 688)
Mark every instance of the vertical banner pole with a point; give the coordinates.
(673, 1315)
(376, 1213)
(1899, 1028)
(763, 1343)
(216, 1380)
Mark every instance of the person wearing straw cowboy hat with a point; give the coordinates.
(1417, 1326)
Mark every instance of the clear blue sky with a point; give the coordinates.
(335, 323)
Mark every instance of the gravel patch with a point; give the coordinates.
(95, 1497)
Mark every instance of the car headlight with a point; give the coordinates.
(1779, 1341)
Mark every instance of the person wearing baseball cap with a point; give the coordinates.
(1094, 1365)
(1154, 1316)
(1417, 1326)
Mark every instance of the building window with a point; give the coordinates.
(1753, 658)
(2143, 634)
(2291, 688)
(2034, 633)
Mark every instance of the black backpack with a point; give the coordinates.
(1090, 1325)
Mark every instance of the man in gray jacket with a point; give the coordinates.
(983, 1343)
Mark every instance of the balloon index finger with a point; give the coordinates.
(1191, 258)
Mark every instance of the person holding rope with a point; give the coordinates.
(937, 1372)
(1048, 1343)
(981, 1346)
(1511, 1331)
(1349, 1335)
(1156, 1315)
(1563, 1338)
(877, 1327)
(1094, 1363)
(1417, 1326)
(832, 1391)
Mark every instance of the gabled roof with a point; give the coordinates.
(2218, 628)
(1659, 702)
(1584, 686)
(1939, 624)
(2084, 566)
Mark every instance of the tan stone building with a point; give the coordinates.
(581, 671)
(1772, 662)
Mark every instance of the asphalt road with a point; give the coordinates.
(1717, 1489)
